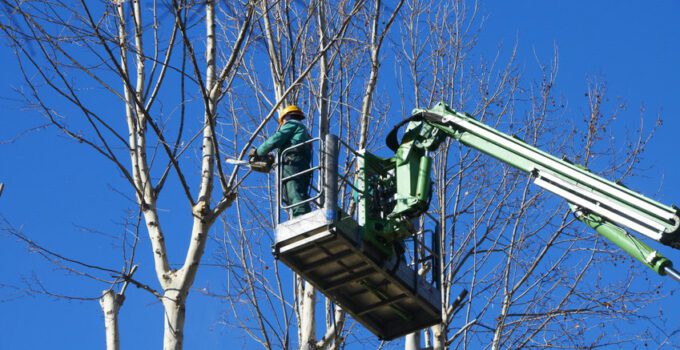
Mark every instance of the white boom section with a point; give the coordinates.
(599, 204)
(576, 184)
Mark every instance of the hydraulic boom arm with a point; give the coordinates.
(601, 204)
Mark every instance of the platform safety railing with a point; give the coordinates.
(315, 167)
(426, 247)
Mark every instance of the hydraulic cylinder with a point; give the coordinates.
(631, 245)
(423, 185)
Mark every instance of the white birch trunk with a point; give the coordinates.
(174, 306)
(323, 70)
(372, 80)
(376, 43)
(278, 77)
(177, 291)
(137, 142)
(438, 336)
(110, 303)
(335, 322)
(412, 341)
(307, 317)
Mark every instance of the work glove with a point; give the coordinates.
(252, 155)
(261, 164)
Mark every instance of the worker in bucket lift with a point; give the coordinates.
(291, 132)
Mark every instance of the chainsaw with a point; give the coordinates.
(262, 164)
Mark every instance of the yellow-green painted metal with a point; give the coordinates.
(515, 152)
(413, 171)
(424, 181)
(375, 197)
(526, 160)
(631, 245)
(394, 191)
(427, 128)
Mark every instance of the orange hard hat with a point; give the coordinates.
(288, 110)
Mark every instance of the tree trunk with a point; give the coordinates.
(412, 341)
(438, 337)
(323, 72)
(111, 303)
(178, 283)
(307, 317)
(174, 306)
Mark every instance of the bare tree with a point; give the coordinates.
(136, 53)
(235, 64)
(111, 300)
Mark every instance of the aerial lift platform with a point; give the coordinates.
(325, 247)
(387, 296)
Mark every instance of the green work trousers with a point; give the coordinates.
(296, 189)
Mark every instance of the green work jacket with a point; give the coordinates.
(292, 132)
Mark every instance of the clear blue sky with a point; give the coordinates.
(633, 46)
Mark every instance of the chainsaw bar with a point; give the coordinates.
(236, 161)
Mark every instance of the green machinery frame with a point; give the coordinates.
(393, 192)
